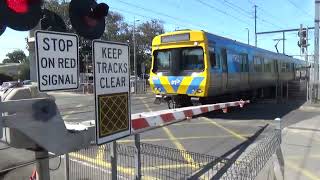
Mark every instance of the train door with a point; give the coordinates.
(215, 72)
(234, 66)
(244, 71)
(224, 63)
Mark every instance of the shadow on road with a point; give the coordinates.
(265, 111)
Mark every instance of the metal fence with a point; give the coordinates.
(158, 162)
(142, 86)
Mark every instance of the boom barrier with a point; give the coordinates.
(146, 121)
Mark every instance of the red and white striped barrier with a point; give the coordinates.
(145, 121)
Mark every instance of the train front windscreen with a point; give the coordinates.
(179, 61)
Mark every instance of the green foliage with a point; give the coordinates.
(17, 56)
(116, 30)
(24, 71)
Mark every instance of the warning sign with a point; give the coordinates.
(57, 60)
(111, 69)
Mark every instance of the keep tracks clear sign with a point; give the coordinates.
(111, 70)
(57, 60)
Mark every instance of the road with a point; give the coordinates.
(212, 134)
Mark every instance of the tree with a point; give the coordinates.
(145, 34)
(17, 56)
(116, 30)
(24, 70)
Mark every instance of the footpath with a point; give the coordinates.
(299, 158)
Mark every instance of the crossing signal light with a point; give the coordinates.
(303, 35)
(21, 15)
(88, 18)
(52, 22)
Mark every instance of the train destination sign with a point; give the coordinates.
(111, 72)
(57, 60)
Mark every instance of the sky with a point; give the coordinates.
(228, 18)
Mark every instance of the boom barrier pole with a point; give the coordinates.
(42, 165)
(146, 121)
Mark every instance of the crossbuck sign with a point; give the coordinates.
(111, 70)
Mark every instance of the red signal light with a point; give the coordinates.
(21, 15)
(18, 6)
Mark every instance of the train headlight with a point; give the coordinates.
(157, 89)
(199, 91)
(196, 43)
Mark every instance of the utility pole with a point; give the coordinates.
(255, 25)
(283, 42)
(32, 54)
(248, 35)
(316, 51)
(134, 54)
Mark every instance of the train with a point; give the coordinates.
(194, 64)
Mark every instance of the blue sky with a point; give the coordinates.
(228, 18)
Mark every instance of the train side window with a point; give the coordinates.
(214, 58)
(288, 65)
(258, 63)
(267, 65)
(283, 67)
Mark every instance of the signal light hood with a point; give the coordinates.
(88, 18)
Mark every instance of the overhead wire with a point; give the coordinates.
(299, 8)
(234, 6)
(162, 14)
(177, 19)
(270, 15)
(263, 20)
(148, 17)
(223, 12)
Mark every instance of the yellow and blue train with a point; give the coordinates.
(195, 64)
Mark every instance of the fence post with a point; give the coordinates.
(114, 160)
(279, 153)
(278, 126)
(66, 168)
(137, 157)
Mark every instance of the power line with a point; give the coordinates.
(162, 14)
(166, 15)
(250, 14)
(236, 8)
(268, 22)
(270, 15)
(221, 11)
(240, 8)
(299, 8)
(147, 17)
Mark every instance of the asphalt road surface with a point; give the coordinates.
(213, 133)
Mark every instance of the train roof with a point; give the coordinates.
(246, 47)
(229, 43)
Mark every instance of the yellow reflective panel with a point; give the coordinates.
(166, 84)
(184, 85)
